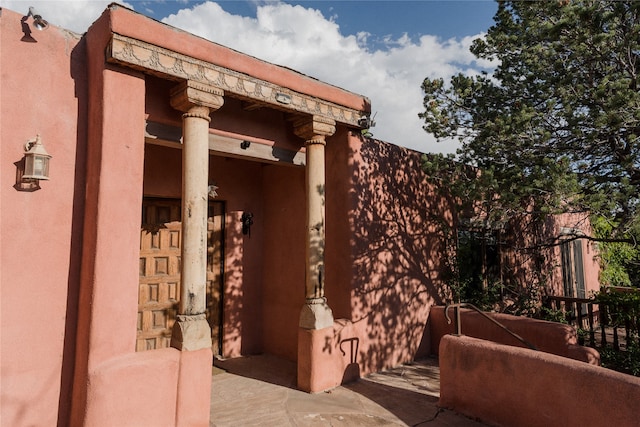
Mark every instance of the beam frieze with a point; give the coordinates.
(156, 60)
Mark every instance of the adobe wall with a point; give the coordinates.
(526, 232)
(43, 87)
(512, 386)
(381, 218)
(549, 337)
(107, 311)
(284, 264)
(397, 252)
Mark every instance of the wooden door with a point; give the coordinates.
(159, 286)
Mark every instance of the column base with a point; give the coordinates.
(191, 332)
(316, 314)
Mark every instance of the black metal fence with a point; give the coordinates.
(610, 317)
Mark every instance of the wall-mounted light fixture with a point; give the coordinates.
(247, 222)
(36, 161)
(366, 122)
(283, 98)
(38, 22)
(213, 190)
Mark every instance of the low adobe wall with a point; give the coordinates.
(514, 387)
(550, 337)
(327, 357)
(164, 387)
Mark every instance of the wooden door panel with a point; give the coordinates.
(159, 285)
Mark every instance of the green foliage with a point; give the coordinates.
(620, 261)
(622, 310)
(621, 307)
(556, 127)
(479, 273)
(627, 361)
(486, 299)
(551, 315)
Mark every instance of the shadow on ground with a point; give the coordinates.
(265, 367)
(261, 391)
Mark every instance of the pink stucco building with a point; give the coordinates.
(123, 274)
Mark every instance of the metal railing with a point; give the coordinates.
(458, 306)
(573, 311)
(613, 322)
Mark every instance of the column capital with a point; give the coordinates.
(314, 128)
(189, 94)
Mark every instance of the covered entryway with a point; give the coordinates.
(159, 287)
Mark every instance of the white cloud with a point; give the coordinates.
(74, 15)
(303, 39)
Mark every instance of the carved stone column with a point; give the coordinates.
(315, 314)
(191, 330)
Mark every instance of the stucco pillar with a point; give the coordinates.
(316, 313)
(191, 330)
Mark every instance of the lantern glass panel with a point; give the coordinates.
(36, 167)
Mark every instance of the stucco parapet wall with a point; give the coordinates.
(157, 60)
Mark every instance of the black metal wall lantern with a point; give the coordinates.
(247, 222)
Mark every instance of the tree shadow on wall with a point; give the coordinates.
(399, 231)
(233, 315)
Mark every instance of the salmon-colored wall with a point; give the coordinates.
(550, 337)
(397, 252)
(240, 185)
(43, 85)
(327, 357)
(383, 256)
(110, 267)
(284, 263)
(339, 240)
(511, 386)
(539, 269)
(131, 381)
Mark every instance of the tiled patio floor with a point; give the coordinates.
(261, 391)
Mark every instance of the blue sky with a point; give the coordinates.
(380, 49)
(445, 18)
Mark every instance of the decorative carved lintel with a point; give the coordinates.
(189, 93)
(151, 59)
